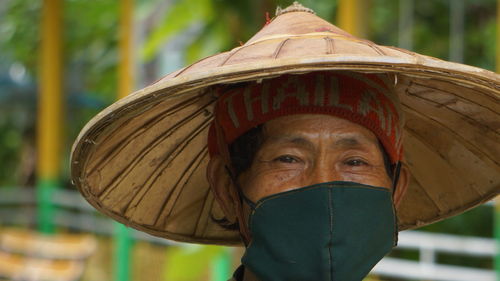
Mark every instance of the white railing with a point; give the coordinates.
(428, 245)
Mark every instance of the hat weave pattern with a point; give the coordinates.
(142, 161)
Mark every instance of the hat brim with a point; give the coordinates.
(142, 160)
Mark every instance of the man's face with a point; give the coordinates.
(305, 149)
(302, 150)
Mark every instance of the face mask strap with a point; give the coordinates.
(242, 196)
(249, 202)
(395, 179)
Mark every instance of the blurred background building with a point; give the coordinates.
(62, 61)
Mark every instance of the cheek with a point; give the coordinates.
(374, 178)
(259, 185)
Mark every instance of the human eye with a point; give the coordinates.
(286, 159)
(355, 162)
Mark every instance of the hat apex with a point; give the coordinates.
(295, 7)
(295, 20)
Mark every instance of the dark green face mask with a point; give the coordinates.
(335, 231)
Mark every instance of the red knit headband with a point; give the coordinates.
(365, 99)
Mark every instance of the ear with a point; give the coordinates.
(226, 194)
(402, 185)
(223, 187)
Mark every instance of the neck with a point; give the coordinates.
(249, 276)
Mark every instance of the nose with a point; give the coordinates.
(323, 170)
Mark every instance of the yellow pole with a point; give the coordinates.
(123, 239)
(352, 16)
(49, 111)
(125, 73)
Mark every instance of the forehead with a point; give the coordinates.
(299, 128)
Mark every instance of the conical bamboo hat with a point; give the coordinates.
(142, 160)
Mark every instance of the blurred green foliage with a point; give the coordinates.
(90, 46)
(19, 32)
(225, 23)
(90, 62)
(470, 223)
(191, 262)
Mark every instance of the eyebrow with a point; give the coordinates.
(357, 141)
(298, 140)
(348, 142)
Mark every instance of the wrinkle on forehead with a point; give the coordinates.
(347, 141)
(340, 135)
